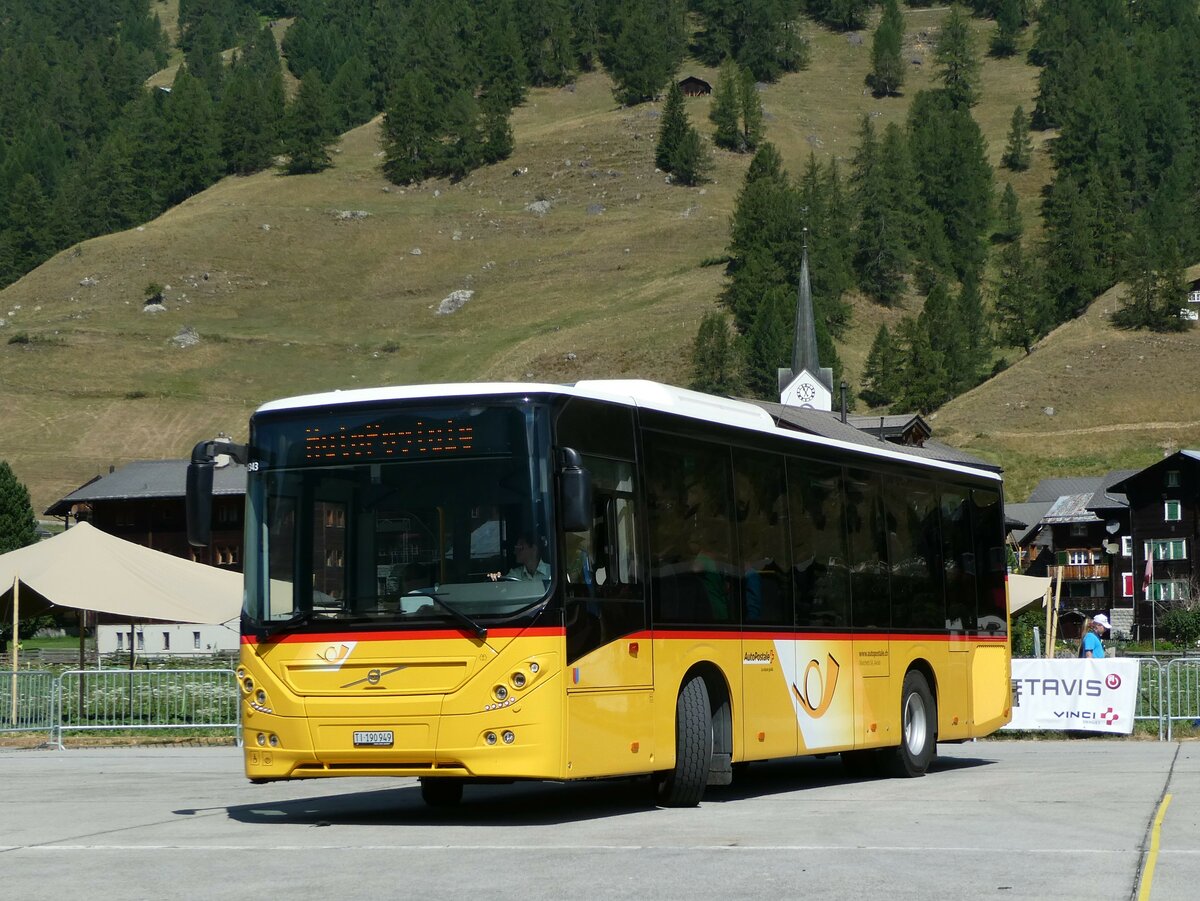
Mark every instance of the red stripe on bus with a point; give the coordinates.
(395, 635)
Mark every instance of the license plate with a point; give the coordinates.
(373, 739)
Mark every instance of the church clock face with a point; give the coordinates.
(806, 393)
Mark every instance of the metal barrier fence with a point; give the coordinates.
(90, 700)
(1150, 706)
(31, 702)
(1183, 693)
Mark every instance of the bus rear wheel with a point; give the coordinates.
(441, 792)
(918, 729)
(684, 785)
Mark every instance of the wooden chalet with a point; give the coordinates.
(694, 87)
(144, 502)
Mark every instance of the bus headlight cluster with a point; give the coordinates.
(267, 738)
(507, 736)
(256, 698)
(521, 678)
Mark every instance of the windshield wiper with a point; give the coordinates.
(434, 595)
(295, 621)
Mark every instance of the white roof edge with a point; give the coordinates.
(632, 392)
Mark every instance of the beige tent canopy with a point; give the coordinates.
(1025, 591)
(87, 569)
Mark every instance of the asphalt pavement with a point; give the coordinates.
(993, 819)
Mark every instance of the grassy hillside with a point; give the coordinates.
(287, 295)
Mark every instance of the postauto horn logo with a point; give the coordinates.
(817, 685)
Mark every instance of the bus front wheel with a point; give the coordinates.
(684, 785)
(441, 792)
(918, 728)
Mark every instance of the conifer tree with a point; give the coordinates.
(690, 160)
(723, 112)
(1019, 151)
(546, 34)
(249, 135)
(880, 374)
(350, 94)
(18, 525)
(192, 140)
(978, 331)
(1008, 25)
(1022, 311)
(117, 195)
(203, 57)
(887, 67)
(923, 377)
(1153, 297)
(947, 336)
(585, 34)
(496, 131)
(716, 362)
(769, 341)
(881, 255)
(674, 125)
(409, 130)
(954, 178)
(641, 57)
(502, 60)
(957, 63)
(750, 107)
(1009, 227)
(27, 225)
(310, 127)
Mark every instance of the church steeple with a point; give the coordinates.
(806, 384)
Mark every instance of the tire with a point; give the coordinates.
(684, 785)
(918, 729)
(441, 792)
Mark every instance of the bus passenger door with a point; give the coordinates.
(610, 657)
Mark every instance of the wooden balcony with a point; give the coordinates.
(1086, 573)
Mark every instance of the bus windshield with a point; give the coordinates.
(398, 515)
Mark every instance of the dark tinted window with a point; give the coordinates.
(870, 598)
(915, 547)
(688, 504)
(591, 427)
(988, 530)
(958, 559)
(820, 574)
(761, 513)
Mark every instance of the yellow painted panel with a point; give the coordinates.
(610, 733)
(769, 728)
(991, 688)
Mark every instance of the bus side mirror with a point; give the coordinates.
(199, 502)
(575, 492)
(200, 485)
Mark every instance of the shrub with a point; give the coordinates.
(1182, 626)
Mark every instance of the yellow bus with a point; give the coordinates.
(494, 582)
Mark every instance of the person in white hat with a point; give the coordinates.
(1092, 646)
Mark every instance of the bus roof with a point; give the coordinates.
(640, 393)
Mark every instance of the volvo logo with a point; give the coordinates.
(375, 676)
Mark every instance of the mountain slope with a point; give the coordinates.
(290, 291)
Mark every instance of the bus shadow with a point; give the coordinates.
(549, 803)
(801, 773)
(517, 804)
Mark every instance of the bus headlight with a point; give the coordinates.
(500, 692)
(518, 680)
(508, 737)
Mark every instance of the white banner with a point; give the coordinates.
(1094, 695)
